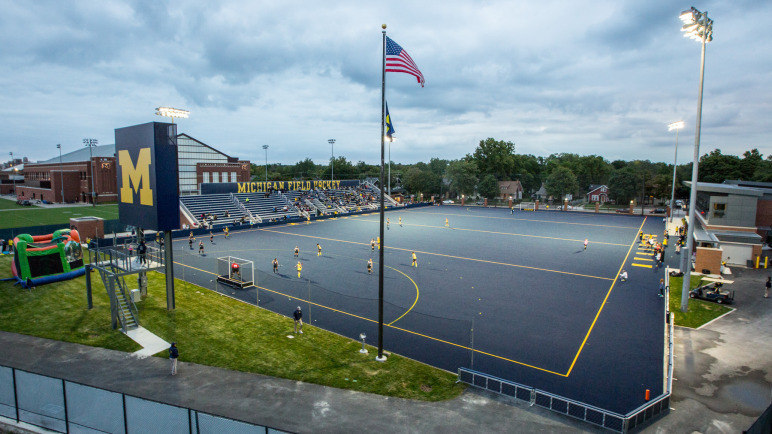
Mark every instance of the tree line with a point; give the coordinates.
(560, 174)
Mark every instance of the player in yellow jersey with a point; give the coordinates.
(400, 222)
(300, 268)
(318, 250)
(415, 260)
(447, 223)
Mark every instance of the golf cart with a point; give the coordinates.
(712, 292)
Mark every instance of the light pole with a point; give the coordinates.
(698, 27)
(265, 148)
(90, 144)
(391, 139)
(61, 173)
(674, 126)
(332, 161)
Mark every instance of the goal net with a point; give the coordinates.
(235, 271)
(527, 206)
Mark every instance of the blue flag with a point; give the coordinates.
(389, 126)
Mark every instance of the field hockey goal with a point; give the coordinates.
(527, 206)
(235, 272)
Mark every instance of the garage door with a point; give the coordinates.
(736, 254)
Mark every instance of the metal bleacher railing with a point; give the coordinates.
(60, 405)
(610, 420)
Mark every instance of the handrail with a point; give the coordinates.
(189, 215)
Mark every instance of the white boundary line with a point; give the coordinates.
(732, 309)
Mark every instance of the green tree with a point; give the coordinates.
(763, 172)
(527, 170)
(717, 167)
(495, 157)
(419, 181)
(560, 182)
(623, 185)
(489, 187)
(462, 175)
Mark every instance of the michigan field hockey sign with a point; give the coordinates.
(148, 185)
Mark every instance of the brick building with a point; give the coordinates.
(47, 180)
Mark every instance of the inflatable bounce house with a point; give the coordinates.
(43, 259)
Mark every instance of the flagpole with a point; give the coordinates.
(382, 246)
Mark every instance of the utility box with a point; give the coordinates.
(136, 297)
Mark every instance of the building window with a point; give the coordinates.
(215, 176)
(233, 177)
(719, 209)
(206, 177)
(594, 197)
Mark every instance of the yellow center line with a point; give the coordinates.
(392, 326)
(604, 300)
(527, 220)
(444, 255)
(501, 233)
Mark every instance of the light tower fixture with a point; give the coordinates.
(670, 127)
(90, 144)
(61, 172)
(332, 161)
(698, 27)
(265, 148)
(171, 112)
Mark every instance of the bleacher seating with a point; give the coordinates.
(220, 205)
(271, 207)
(275, 207)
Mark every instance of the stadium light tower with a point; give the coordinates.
(265, 147)
(61, 172)
(332, 162)
(674, 126)
(699, 27)
(90, 144)
(171, 112)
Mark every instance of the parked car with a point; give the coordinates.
(658, 211)
(480, 202)
(447, 201)
(712, 292)
(24, 202)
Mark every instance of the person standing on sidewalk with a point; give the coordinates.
(298, 315)
(767, 286)
(661, 287)
(174, 353)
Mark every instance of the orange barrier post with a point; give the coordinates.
(648, 394)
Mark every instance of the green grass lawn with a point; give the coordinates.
(10, 204)
(34, 216)
(699, 311)
(214, 330)
(59, 311)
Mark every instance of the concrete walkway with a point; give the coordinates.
(151, 344)
(723, 383)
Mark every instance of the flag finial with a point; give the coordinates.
(383, 26)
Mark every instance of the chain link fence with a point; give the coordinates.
(65, 406)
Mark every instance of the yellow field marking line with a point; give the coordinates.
(527, 220)
(643, 259)
(442, 254)
(605, 299)
(502, 233)
(394, 327)
(641, 265)
(417, 294)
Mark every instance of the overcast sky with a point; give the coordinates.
(589, 77)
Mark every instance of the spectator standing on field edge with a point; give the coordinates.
(767, 286)
(661, 287)
(174, 353)
(298, 315)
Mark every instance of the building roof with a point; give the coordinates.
(82, 154)
(753, 184)
(726, 188)
(594, 187)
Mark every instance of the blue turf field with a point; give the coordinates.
(516, 296)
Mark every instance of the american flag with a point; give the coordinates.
(397, 60)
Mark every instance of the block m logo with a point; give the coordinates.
(136, 178)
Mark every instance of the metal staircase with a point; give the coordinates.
(120, 302)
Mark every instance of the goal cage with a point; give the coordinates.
(527, 206)
(235, 271)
